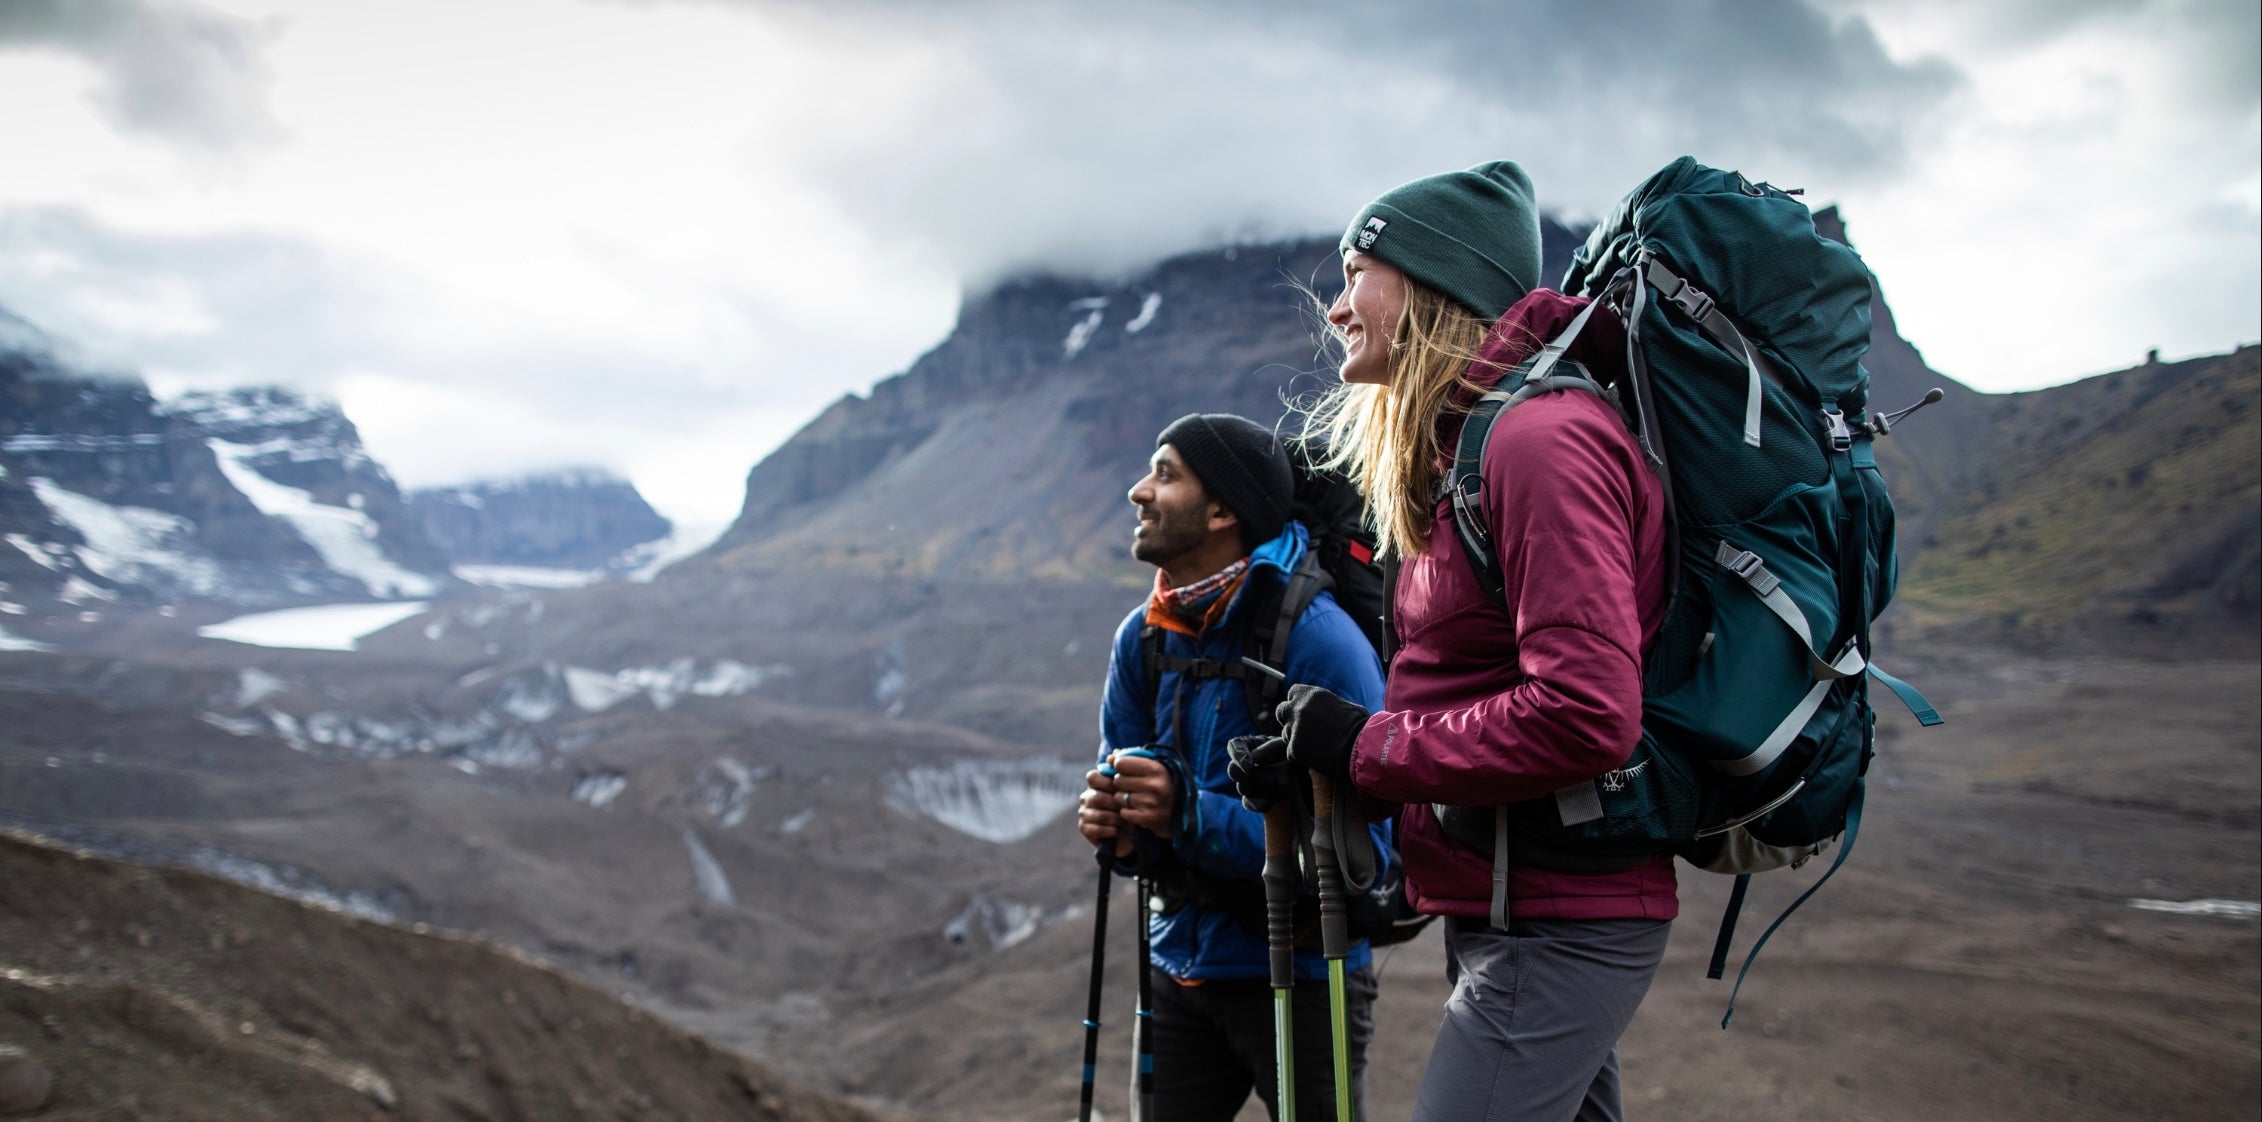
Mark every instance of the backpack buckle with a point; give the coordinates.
(1692, 300)
(1749, 567)
(1841, 434)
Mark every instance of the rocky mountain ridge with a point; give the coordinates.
(575, 519)
(114, 501)
(1004, 452)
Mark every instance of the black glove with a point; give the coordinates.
(1320, 729)
(1260, 770)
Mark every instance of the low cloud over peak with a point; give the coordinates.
(177, 71)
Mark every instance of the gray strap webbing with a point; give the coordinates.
(1700, 307)
(1781, 738)
(1500, 868)
(1769, 588)
(1580, 802)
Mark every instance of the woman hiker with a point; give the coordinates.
(1486, 706)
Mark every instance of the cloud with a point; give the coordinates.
(1090, 136)
(445, 384)
(176, 71)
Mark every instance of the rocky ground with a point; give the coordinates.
(129, 992)
(823, 900)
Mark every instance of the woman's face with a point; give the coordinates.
(1374, 296)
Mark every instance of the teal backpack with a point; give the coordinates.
(1744, 388)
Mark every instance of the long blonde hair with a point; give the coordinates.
(1386, 438)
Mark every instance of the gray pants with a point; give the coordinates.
(1531, 1031)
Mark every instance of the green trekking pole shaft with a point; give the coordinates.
(1280, 938)
(1335, 934)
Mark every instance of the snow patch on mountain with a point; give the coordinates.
(284, 880)
(641, 563)
(2221, 909)
(1095, 310)
(10, 642)
(597, 690)
(599, 788)
(1000, 801)
(1003, 923)
(256, 407)
(344, 537)
(714, 887)
(47, 555)
(129, 544)
(254, 685)
(725, 790)
(234, 726)
(325, 627)
(527, 576)
(1147, 309)
(77, 591)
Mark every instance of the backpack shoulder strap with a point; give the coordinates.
(1464, 484)
(1272, 623)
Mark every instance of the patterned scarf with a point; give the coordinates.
(1192, 609)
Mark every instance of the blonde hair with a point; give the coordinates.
(1388, 438)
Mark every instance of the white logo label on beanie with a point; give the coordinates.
(1372, 231)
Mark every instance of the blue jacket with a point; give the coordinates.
(1227, 840)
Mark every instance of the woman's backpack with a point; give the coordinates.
(1743, 386)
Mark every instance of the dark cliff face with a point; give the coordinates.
(253, 497)
(1008, 448)
(582, 519)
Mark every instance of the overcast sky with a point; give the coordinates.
(658, 235)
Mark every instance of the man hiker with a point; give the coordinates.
(1214, 521)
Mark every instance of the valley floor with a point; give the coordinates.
(1997, 947)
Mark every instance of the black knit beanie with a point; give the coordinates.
(1241, 465)
(1472, 235)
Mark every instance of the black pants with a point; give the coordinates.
(1213, 1045)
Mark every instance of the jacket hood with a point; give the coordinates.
(1281, 555)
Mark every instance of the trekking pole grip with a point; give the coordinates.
(1335, 930)
(1280, 893)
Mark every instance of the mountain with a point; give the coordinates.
(179, 995)
(586, 519)
(1005, 451)
(2123, 510)
(250, 497)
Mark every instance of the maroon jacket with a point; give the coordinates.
(1485, 708)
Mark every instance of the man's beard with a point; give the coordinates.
(1172, 535)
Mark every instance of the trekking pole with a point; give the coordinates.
(1106, 855)
(1280, 938)
(1145, 1024)
(1335, 933)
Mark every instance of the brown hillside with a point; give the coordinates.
(2125, 507)
(156, 992)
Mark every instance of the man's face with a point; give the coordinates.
(1174, 510)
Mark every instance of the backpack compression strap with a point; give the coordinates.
(1699, 306)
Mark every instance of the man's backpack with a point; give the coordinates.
(1743, 386)
(1340, 558)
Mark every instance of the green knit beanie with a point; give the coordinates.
(1472, 235)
